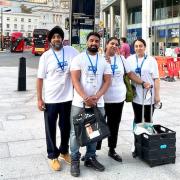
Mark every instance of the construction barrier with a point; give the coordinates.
(168, 66)
(162, 66)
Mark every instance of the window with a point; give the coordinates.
(135, 15)
(7, 25)
(29, 20)
(29, 27)
(15, 19)
(15, 26)
(164, 9)
(8, 18)
(22, 19)
(22, 27)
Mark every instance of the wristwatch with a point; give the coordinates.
(143, 84)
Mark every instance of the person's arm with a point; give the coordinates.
(75, 76)
(138, 80)
(105, 85)
(156, 90)
(39, 94)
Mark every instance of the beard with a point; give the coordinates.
(57, 46)
(92, 49)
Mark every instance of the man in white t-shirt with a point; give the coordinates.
(54, 75)
(91, 77)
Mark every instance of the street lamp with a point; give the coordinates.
(7, 10)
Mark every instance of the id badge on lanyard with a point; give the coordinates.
(92, 79)
(139, 69)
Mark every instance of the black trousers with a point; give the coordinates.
(138, 112)
(51, 114)
(113, 113)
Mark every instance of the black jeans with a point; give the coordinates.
(113, 113)
(138, 112)
(50, 116)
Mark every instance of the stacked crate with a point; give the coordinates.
(158, 148)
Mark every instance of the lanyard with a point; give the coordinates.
(113, 67)
(138, 69)
(60, 64)
(94, 69)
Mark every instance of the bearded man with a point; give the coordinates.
(91, 77)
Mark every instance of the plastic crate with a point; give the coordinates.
(158, 148)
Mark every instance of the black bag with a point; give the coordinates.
(90, 126)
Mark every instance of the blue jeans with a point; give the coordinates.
(74, 146)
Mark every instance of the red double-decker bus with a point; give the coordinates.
(40, 41)
(17, 42)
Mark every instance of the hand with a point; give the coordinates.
(41, 105)
(91, 102)
(146, 85)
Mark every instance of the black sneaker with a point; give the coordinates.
(115, 156)
(92, 162)
(83, 158)
(75, 170)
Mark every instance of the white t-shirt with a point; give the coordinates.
(117, 91)
(57, 83)
(149, 72)
(90, 82)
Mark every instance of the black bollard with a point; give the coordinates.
(22, 74)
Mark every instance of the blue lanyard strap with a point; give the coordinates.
(94, 69)
(113, 67)
(138, 69)
(61, 64)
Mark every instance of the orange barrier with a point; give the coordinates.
(162, 66)
(173, 66)
(168, 66)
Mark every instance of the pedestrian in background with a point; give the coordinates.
(91, 77)
(115, 96)
(146, 68)
(54, 76)
(124, 47)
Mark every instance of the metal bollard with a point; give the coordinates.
(22, 74)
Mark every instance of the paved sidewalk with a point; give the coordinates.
(22, 137)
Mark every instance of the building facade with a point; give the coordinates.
(26, 15)
(156, 21)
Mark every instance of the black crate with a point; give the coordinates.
(158, 148)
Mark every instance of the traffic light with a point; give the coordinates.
(67, 23)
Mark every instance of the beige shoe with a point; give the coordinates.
(66, 157)
(55, 164)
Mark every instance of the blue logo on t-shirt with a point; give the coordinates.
(63, 64)
(91, 68)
